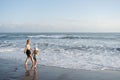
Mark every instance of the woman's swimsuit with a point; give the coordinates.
(28, 52)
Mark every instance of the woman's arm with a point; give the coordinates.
(33, 53)
(31, 49)
(25, 49)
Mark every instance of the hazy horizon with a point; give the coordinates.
(59, 16)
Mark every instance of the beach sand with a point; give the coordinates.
(13, 70)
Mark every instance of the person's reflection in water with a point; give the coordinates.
(35, 75)
(27, 75)
(30, 75)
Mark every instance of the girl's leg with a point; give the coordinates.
(35, 64)
(26, 66)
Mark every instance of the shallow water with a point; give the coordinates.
(91, 51)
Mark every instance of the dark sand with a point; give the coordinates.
(13, 70)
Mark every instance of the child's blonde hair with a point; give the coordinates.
(35, 52)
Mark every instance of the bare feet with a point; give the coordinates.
(32, 67)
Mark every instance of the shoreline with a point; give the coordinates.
(12, 70)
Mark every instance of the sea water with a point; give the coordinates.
(91, 51)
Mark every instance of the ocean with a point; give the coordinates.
(89, 51)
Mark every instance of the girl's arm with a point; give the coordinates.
(37, 53)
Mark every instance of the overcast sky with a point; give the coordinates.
(59, 15)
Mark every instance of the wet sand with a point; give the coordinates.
(12, 70)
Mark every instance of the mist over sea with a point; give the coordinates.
(90, 51)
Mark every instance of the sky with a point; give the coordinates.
(59, 16)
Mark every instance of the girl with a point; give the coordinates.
(35, 54)
(28, 53)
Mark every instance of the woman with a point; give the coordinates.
(28, 53)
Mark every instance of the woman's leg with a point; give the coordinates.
(32, 61)
(26, 66)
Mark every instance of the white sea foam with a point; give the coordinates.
(7, 50)
(45, 36)
(80, 60)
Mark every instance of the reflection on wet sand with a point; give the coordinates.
(35, 75)
(30, 75)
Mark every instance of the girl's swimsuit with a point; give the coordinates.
(35, 57)
(28, 52)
